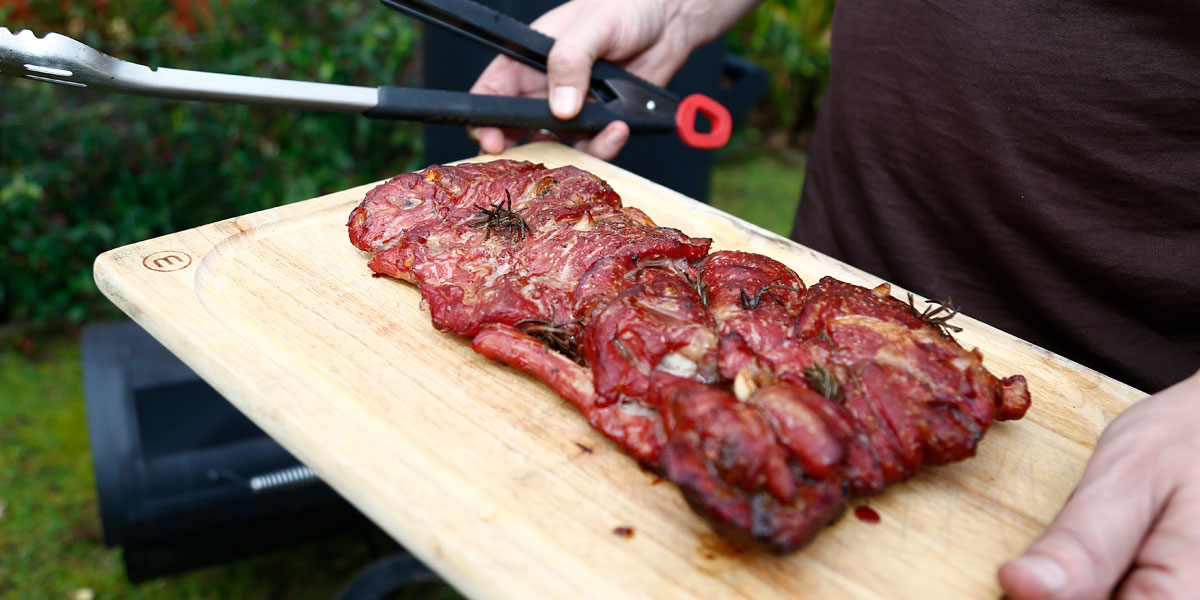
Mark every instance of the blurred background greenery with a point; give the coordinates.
(82, 172)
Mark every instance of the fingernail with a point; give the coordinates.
(1049, 574)
(563, 99)
(473, 133)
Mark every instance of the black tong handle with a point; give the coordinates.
(461, 108)
(508, 36)
(473, 21)
(623, 96)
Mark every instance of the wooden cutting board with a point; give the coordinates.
(500, 485)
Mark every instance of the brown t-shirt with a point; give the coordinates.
(1035, 161)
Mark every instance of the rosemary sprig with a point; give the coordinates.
(502, 218)
(562, 338)
(751, 302)
(700, 287)
(823, 382)
(937, 314)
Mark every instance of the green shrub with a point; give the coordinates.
(82, 172)
(790, 39)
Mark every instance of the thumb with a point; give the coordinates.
(1095, 537)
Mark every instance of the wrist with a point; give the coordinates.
(702, 21)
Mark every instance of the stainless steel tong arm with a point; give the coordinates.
(59, 59)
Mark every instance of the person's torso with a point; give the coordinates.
(1037, 162)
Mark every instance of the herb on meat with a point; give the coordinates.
(624, 351)
(751, 303)
(562, 338)
(937, 314)
(823, 382)
(700, 287)
(503, 219)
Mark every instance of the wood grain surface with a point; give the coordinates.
(500, 485)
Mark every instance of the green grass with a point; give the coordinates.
(763, 189)
(51, 542)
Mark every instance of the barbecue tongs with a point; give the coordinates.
(620, 95)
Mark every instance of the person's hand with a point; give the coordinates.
(649, 38)
(1131, 528)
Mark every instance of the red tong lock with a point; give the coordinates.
(718, 116)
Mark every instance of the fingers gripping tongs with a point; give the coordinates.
(620, 95)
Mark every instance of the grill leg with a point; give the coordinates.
(387, 576)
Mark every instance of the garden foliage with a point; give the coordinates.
(82, 172)
(790, 39)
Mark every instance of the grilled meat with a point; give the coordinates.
(766, 402)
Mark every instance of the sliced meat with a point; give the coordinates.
(766, 402)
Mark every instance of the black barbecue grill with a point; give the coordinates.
(183, 479)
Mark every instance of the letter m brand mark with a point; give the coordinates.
(167, 260)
